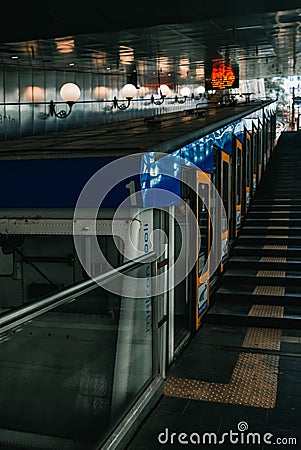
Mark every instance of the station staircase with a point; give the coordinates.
(261, 284)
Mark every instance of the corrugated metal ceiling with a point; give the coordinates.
(265, 42)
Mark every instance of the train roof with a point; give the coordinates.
(129, 136)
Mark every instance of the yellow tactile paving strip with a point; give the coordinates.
(278, 228)
(282, 211)
(275, 247)
(266, 311)
(254, 379)
(263, 338)
(276, 236)
(279, 218)
(271, 273)
(269, 290)
(272, 259)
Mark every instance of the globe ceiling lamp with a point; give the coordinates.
(69, 93)
(129, 91)
(200, 92)
(184, 92)
(101, 92)
(163, 91)
(34, 94)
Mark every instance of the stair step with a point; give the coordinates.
(270, 230)
(270, 239)
(272, 195)
(261, 277)
(269, 215)
(280, 201)
(265, 262)
(272, 221)
(260, 294)
(274, 207)
(266, 250)
(232, 317)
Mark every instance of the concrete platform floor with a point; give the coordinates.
(247, 380)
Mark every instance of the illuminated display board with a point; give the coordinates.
(221, 74)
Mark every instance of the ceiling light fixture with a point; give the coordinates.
(70, 93)
(199, 93)
(163, 91)
(129, 91)
(185, 92)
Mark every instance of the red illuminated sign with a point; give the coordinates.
(222, 75)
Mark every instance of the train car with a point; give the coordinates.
(247, 175)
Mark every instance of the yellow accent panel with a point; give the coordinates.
(225, 234)
(203, 177)
(225, 157)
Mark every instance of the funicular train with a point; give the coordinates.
(93, 355)
(37, 215)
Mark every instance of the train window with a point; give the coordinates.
(254, 152)
(238, 176)
(260, 145)
(225, 194)
(214, 176)
(268, 139)
(203, 218)
(248, 169)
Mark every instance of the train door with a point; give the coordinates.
(236, 187)
(215, 210)
(259, 151)
(182, 303)
(221, 181)
(268, 137)
(264, 142)
(247, 172)
(225, 196)
(183, 244)
(273, 131)
(203, 245)
(254, 158)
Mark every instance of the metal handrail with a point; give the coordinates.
(23, 314)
